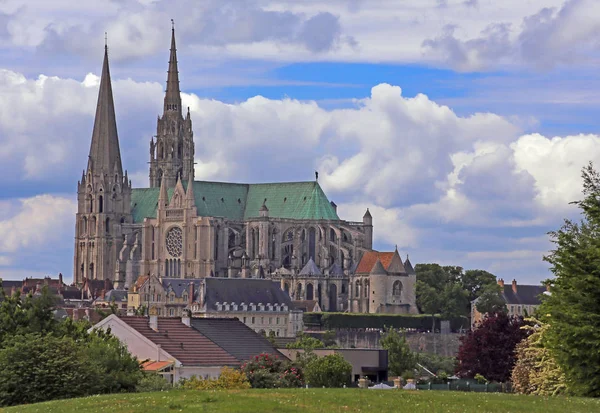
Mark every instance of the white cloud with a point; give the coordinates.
(37, 222)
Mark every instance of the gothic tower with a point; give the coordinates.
(172, 155)
(103, 194)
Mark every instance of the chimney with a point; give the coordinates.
(153, 320)
(514, 286)
(185, 318)
(501, 282)
(60, 280)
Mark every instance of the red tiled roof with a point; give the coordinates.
(140, 281)
(152, 365)
(369, 259)
(184, 343)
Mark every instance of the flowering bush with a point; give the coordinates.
(268, 371)
(231, 379)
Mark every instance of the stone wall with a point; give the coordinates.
(441, 344)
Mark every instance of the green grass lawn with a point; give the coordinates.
(313, 400)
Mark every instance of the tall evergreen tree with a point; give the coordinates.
(573, 308)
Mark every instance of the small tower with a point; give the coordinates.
(172, 156)
(378, 282)
(103, 194)
(368, 228)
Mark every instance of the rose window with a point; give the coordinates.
(174, 242)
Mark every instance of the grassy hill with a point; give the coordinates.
(313, 400)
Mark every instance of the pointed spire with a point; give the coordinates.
(190, 199)
(163, 197)
(104, 150)
(172, 95)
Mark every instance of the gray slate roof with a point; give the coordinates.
(378, 269)
(311, 268)
(116, 295)
(179, 285)
(525, 295)
(336, 269)
(243, 290)
(408, 267)
(234, 337)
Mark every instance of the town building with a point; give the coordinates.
(258, 303)
(181, 228)
(521, 300)
(182, 347)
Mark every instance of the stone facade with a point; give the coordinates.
(182, 228)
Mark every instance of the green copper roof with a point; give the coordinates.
(292, 200)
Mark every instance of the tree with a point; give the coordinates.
(400, 358)
(489, 349)
(476, 282)
(536, 371)
(306, 342)
(572, 309)
(36, 368)
(328, 371)
(490, 300)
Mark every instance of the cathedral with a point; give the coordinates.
(179, 227)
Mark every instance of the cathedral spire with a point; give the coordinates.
(190, 199)
(172, 95)
(163, 196)
(104, 150)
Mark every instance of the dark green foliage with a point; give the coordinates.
(490, 300)
(306, 342)
(400, 358)
(35, 368)
(573, 308)
(332, 321)
(42, 358)
(448, 290)
(328, 371)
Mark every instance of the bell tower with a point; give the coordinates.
(172, 155)
(103, 194)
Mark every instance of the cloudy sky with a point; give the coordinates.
(462, 124)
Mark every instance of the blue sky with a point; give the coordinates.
(462, 125)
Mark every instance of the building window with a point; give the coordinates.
(158, 297)
(270, 320)
(244, 320)
(277, 320)
(171, 312)
(397, 289)
(262, 320)
(253, 320)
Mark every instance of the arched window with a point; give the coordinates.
(93, 226)
(100, 204)
(366, 289)
(310, 292)
(88, 203)
(312, 240)
(107, 225)
(357, 289)
(299, 292)
(397, 289)
(332, 236)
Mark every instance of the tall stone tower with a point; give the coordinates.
(103, 194)
(172, 155)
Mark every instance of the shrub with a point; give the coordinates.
(229, 379)
(536, 371)
(153, 382)
(328, 371)
(266, 371)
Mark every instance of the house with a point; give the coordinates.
(520, 300)
(307, 306)
(112, 297)
(192, 347)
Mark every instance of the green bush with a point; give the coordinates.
(328, 371)
(153, 382)
(332, 321)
